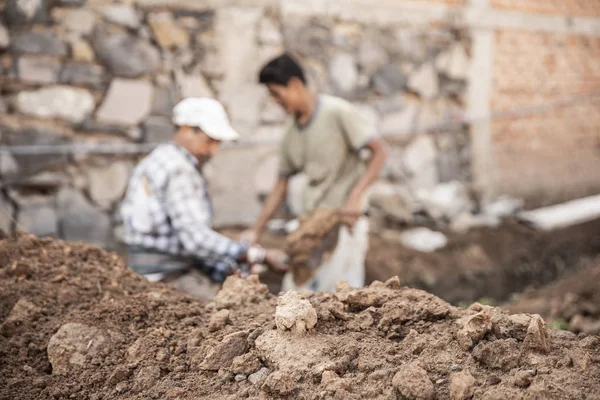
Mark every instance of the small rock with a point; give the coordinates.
(82, 51)
(328, 377)
(420, 161)
(222, 355)
(238, 291)
(127, 102)
(537, 337)
(294, 313)
(70, 3)
(259, 377)
(193, 86)
(343, 72)
(413, 383)
(158, 130)
(240, 378)
(401, 123)
(166, 32)
(79, 220)
(455, 367)
(246, 364)
(371, 56)
(462, 385)
(125, 55)
(146, 378)
(523, 379)
(82, 74)
(22, 312)
(23, 12)
(465, 221)
(165, 99)
(279, 383)
(36, 70)
(269, 33)
(108, 183)
(504, 206)
(39, 219)
(120, 374)
(31, 164)
(503, 354)
(75, 344)
(475, 329)
(63, 102)
(123, 15)
(446, 200)
(80, 21)
(423, 239)
(389, 80)
(454, 62)
(425, 81)
(34, 42)
(219, 320)
(4, 38)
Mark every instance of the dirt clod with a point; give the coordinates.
(413, 383)
(259, 377)
(222, 355)
(537, 335)
(75, 344)
(475, 329)
(219, 320)
(246, 364)
(462, 385)
(294, 314)
(279, 383)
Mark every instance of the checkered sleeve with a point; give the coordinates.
(189, 211)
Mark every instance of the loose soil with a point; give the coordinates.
(77, 324)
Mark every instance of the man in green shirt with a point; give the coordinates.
(324, 141)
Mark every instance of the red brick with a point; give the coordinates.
(574, 8)
(553, 155)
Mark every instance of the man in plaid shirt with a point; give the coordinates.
(167, 211)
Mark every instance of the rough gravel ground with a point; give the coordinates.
(75, 323)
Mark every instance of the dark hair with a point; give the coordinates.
(280, 70)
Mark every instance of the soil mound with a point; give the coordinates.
(572, 302)
(76, 323)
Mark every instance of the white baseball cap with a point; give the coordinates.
(206, 114)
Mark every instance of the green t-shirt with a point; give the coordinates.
(327, 149)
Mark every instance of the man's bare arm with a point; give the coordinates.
(273, 202)
(374, 167)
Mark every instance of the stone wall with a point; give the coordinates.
(100, 72)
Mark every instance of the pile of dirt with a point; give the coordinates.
(572, 302)
(76, 323)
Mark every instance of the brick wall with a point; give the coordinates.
(574, 8)
(554, 155)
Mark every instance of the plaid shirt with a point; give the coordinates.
(167, 209)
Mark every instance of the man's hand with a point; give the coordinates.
(352, 210)
(276, 260)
